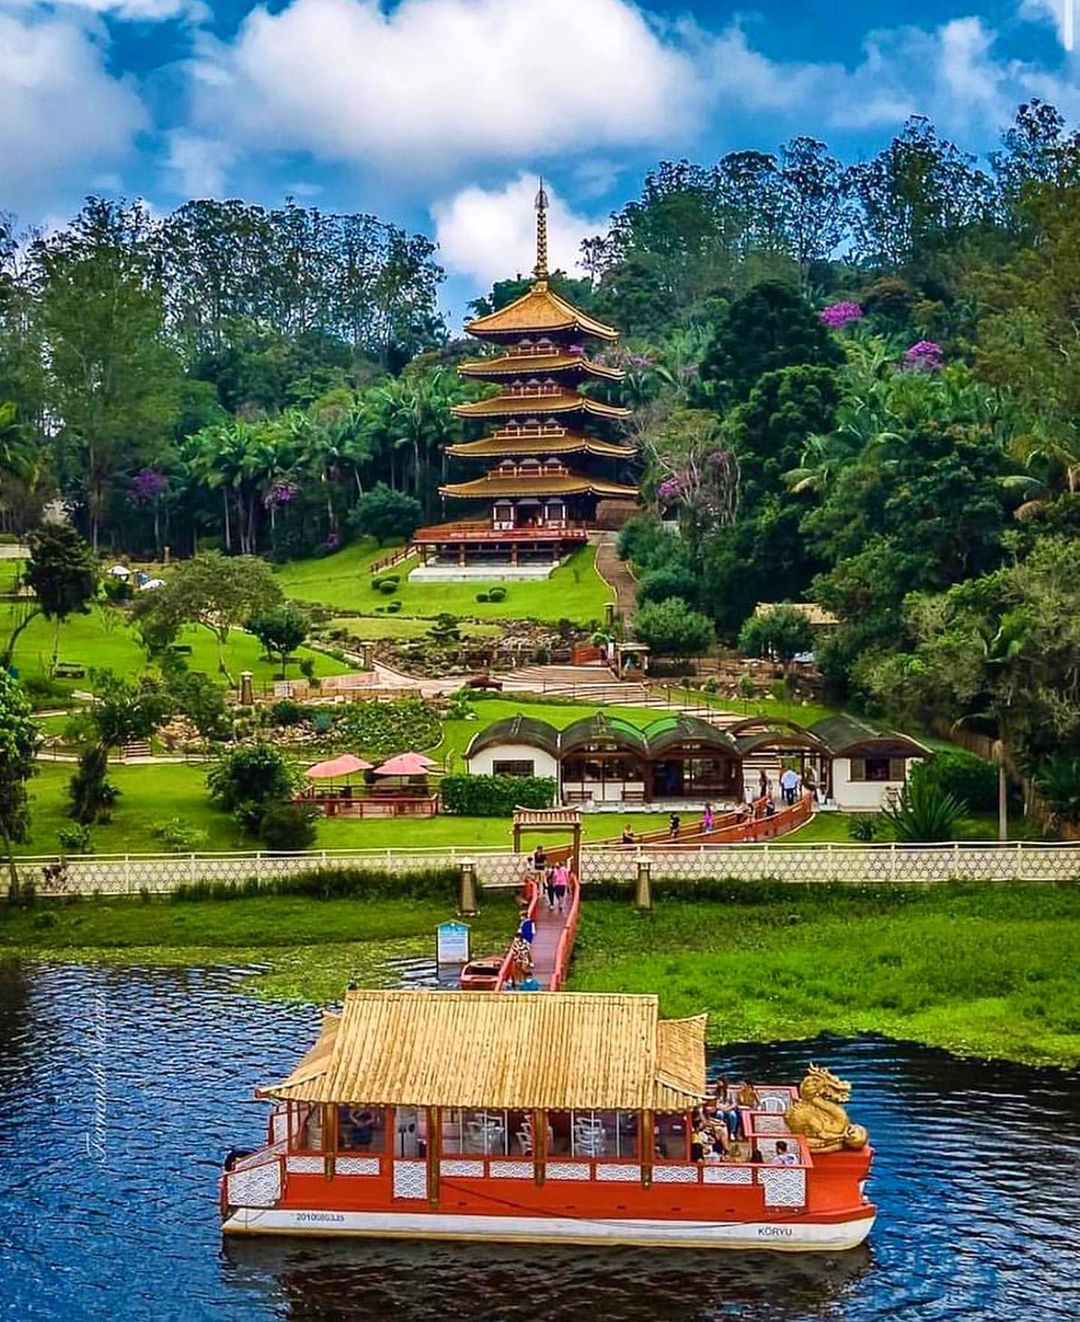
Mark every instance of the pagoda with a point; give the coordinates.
(549, 460)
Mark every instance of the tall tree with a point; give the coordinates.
(62, 573)
(114, 380)
(19, 739)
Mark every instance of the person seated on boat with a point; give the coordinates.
(755, 1157)
(770, 806)
(357, 1127)
(699, 1141)
(726, 1108)
(747, 1095)
(737, 1153)
(783, 1157)
(628, 834)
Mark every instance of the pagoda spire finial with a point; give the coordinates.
(540, 270)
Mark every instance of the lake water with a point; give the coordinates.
(120, 1091)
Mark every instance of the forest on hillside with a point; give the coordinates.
(853, 384)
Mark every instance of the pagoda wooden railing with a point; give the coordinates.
(511, 432)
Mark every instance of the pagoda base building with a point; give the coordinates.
(548, 460)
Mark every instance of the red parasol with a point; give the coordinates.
(344, 765)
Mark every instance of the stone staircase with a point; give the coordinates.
(137, 748)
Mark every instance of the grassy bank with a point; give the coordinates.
(343, 581)
(981, 970)
(308, 949)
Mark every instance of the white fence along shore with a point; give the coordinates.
(856, 864)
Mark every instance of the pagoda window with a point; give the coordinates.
(362, 1128)
(555, 512)
(503, 515)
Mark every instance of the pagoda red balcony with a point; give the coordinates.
(464, 532)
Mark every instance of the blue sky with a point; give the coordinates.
(439, 113)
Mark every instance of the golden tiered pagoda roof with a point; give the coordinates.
(521, 364)
(562, 401)
(538, 483)
(541, 309)
(565, 442)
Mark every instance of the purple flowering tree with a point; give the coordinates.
(838, 315)
(281, 493)
(925, 356)
(700, 479)
(146, 490)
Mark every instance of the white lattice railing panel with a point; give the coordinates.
(511, 1170)
(464, 1169)
(279, 1126)
(618, 1174)
(410, 1179)
(305, 1165)
(785, 1186)
(728, 1175)
(566, 1170)
(856, 864)
(675, 1175)
(258, 1186)
(356, 1166)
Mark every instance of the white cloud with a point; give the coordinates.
(199, 165)
(134, 11)
(490, 234)
(63, 117)
(429, 86)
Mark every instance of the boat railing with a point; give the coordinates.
(565, 947)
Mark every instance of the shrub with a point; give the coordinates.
(496, 594)
(963, 775)
(863, 827)
(288, 827)
(668, 581)
(92, 795)
(393, 608)
(285, 712)
(495, 796)
(180, 836)
(385, 514)
(388, 587)
(923, 812)
(671, 628)
(247, 780)
(75, 839)
(307, 668)
(1058, 780)
(323, 722)
(331, 884)
(483, 596)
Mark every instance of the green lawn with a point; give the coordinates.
(982, 969)
(157, 792)
(832, 828)
(574, 592)
(104, 640)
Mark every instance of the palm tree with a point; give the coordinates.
(1053, 470)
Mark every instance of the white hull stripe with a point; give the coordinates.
(795, 1235)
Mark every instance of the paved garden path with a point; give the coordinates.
(615, 572)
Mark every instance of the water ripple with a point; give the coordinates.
(122, 1089)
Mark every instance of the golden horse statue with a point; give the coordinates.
(817, 1113)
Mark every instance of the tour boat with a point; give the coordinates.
(541, 1117)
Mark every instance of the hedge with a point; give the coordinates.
(495, 796)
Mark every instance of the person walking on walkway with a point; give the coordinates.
(788, 782)
(562, 877)
(549, 887)
(708, 821)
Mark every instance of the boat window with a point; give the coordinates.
(361, 1128)
(486, 1132)
(672, 1137)
(306, 1127)
(612, 1134)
